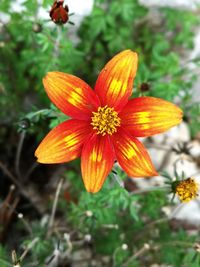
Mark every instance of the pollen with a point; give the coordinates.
(187, 190)
(105, 120)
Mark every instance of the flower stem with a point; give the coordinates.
(51, 220)
(18, 154)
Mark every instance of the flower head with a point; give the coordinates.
(105, 124)
(186, 189)
(58, 12)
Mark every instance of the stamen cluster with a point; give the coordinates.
(105, 120)
(187, 190)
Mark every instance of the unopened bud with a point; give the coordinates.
(88, 238)
(37, 27)
(89, 213)
(124, 246)
(12, 187)
(146, 246)
(24, 124)
(20, 216)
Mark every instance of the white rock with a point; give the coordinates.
(193, 54)
(179, 4)
(124, 246)
(189, 212)
(16, 6)
(80, 256)
(185, 165)
(149, 182)
(179, 133)
(80, 7)
(195, 148)
(167, 210)
(157, 155)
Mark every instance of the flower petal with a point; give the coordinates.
(64, 142)
(115, 82)
(70, 94)
(146, 116)
(97, 160)
(132, 155)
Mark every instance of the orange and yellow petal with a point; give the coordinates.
(115, 82)
(64, 142)
(146, 116)
(70, 94)
(97, 159)
(132, 155)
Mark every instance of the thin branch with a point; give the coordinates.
(119, 181)
(176, 211)
(140, 252)
(28, 192)
(18, 154)
(11, 176)
(56, 51)
(53, 212)
(25, 222)
(29, 247)
(151, 224)
(30, 170)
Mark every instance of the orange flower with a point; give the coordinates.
(105, 124)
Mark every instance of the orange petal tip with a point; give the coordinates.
(115, 82)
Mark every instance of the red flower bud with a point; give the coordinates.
(58, 13)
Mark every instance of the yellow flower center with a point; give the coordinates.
(105, 120)
(187, 190)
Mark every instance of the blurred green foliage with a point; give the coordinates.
(30, 47)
